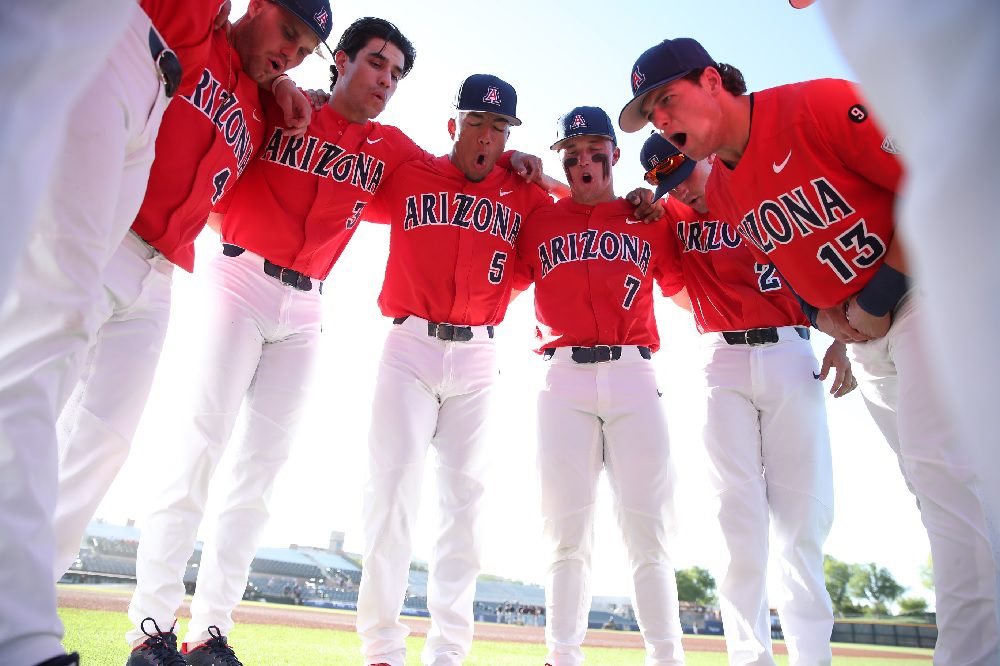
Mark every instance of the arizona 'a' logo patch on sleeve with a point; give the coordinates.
(492, 96)
(890, 146)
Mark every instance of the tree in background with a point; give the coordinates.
(927, 574)
(874, 585)
(695, 585)
(838, 577)
(912, 606)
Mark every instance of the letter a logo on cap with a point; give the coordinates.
(321, 18)
(492, 96)
(578, 122)
(637, 79)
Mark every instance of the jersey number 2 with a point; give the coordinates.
(766, 279)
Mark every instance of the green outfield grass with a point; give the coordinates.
(99, 638)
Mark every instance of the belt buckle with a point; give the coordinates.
(761, 336)
(602, 353)
(444, 332)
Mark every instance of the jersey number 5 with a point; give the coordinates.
(496, 267)
(632, 285)
(869, 248)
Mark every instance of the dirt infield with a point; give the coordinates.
(294, 616)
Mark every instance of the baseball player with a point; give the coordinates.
(765, 423)
(48, 315)
(205, 141)
(285, 224)
(811, 185)
(957, 277)
(454, 221)
(593, 270)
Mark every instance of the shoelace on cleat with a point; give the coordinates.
(162, 646)
(219, 648)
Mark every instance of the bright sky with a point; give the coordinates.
(557, 55)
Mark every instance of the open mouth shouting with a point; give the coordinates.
(678, 139)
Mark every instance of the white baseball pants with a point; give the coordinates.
(260, 340)
(594, 416)
(959, 277)
(41, 88)
(770, 467)
(429, 392)
(98, 423)
(902, 394)
(49, 317)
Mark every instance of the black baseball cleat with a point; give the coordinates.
(160, 649)
(213, 652)
(62, 660)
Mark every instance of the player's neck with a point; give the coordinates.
(735, 130)
(341, 104)
(593, 198)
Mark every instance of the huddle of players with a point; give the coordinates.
(593, 270)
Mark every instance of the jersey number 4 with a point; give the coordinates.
(868, 248)
(219, 180)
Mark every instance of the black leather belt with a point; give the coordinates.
(598, 354)
(287, 276)
(448, 332)
(759, 336)
(167, 64)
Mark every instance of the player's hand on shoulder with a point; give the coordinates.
(317, 98)
(527, 166)
(836, 359)
(222, 18)
(872, 326)
(295, 105)
(646, 210)
(833, 321)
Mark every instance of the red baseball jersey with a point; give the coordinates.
(299, 202)
(186, 27)
(451, 241)
(815, 189)
(205, 141)
(593, 271)
(729, 289)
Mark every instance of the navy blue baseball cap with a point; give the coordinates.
(668, 61)
(665, 166)
(314, 13)
(486, 93)
(584, 121)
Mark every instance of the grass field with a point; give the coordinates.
(98, 637)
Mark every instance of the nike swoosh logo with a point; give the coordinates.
(628, 221)
(374, 140)
(778, 167)
(504, 193)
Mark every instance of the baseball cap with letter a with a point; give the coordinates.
(664, 63)
(584, 121)
(314, 13)
(665, 166)
(485, 93)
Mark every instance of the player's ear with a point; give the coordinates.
(452, 128)
(254, 7)
(615, 154)
(340, 60)
(710, 159)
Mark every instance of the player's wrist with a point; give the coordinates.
(277, 81)
(883, 291)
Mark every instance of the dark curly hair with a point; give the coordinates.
(361, 31)
(732, 78)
